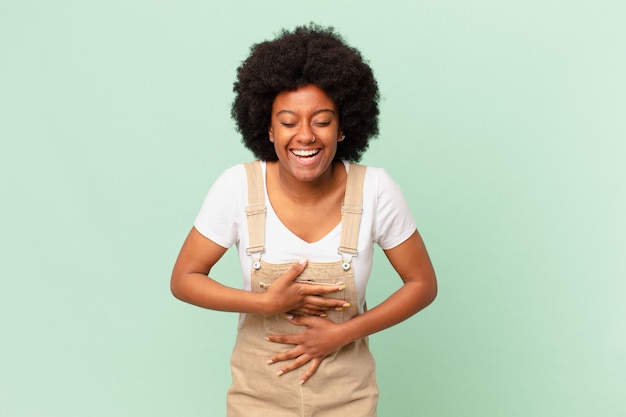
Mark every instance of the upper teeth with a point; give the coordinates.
(304, 152)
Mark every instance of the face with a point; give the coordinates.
(297, 117)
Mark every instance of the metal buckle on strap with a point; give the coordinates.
(256, 263)
(255, 252)
(346, 255)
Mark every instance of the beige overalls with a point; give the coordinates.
(345, 383)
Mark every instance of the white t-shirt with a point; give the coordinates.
(386, 220)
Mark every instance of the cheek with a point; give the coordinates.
(275, 133)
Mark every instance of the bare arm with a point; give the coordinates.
(322, 337)
(410, 259)
(191, 283)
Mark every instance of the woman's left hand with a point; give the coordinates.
(321, 338)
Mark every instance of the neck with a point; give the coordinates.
(306, 192)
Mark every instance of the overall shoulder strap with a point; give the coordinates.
(256, 209)
(351, 210)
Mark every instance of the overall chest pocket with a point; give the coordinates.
(315, 274)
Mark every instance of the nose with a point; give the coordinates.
(305, 134)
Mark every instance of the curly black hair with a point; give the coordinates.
(309, 55)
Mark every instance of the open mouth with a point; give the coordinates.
(305, 153)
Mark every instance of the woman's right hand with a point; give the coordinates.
(191, 283)
(286, 295)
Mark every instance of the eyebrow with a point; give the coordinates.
(314, 113)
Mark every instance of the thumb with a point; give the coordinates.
(308, 321)
(295, 270)
(297, 319)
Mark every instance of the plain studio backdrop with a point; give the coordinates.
(503, 122)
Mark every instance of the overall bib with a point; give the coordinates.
(345, 382)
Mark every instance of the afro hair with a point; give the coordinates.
(309, 55)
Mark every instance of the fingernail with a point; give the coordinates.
(280, 372)
(343, 287)
(323, 315)
(302, 381)
(269, 361)
(267, 338)
(346, 305)
(338, 308)
(302, 261)
(289, 316)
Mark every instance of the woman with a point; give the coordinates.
(304, 219)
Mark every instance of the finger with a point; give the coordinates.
(285, 356)
(315, 308)
(314, 301)
(315, 289)
(298, 362)
(315, 363)
(282, 338)
(306, 321)
(310, 311)
(288, 339)
(295, 270)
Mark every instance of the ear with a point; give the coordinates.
(341, 136)
(270, 131)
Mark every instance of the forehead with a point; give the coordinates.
(306, 98)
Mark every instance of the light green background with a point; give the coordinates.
(503, 121)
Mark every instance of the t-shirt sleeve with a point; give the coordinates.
(220, 215)
(393, 222)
